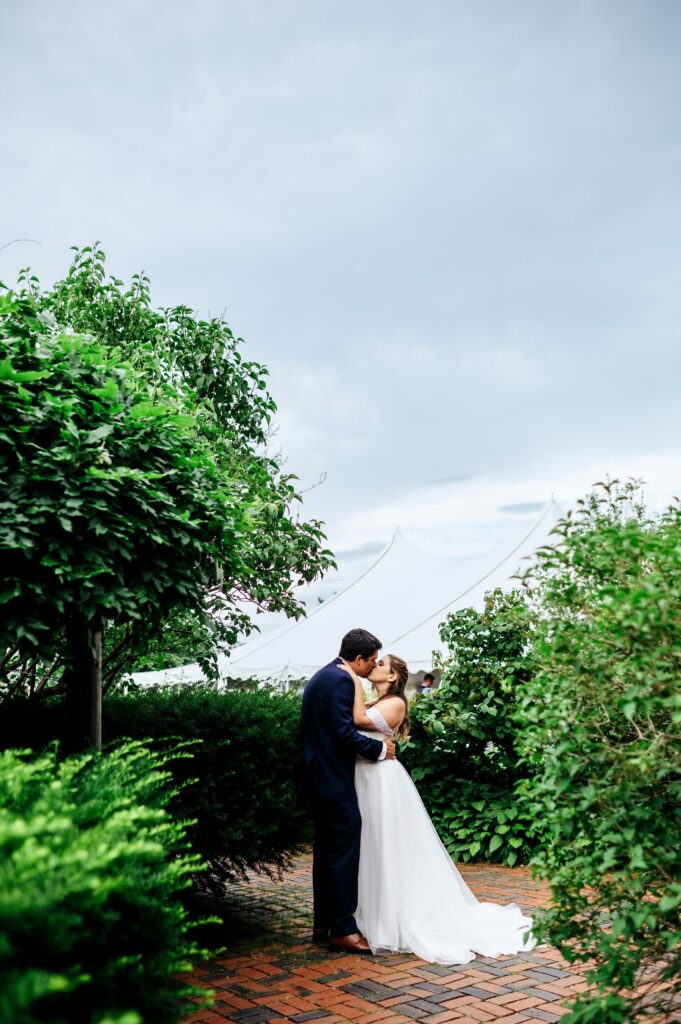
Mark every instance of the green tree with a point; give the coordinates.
(228, 396)
(138, 491)
(113, 506)
(601, 730)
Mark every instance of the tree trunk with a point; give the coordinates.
(83, 684)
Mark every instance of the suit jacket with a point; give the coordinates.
(330, 739)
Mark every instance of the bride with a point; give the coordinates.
(411, 896)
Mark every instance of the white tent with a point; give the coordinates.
(402, 597)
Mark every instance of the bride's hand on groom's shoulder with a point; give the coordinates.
(355, 678)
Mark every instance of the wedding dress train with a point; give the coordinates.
(411, 896)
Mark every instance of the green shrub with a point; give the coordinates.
(91, 923)
(486, 822)
(601, 727)
(244, 783)
(461, 753)
(248, 799)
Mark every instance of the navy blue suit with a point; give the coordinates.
(331, 743)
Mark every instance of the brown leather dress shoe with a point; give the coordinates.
(320, 935)
(355, 943)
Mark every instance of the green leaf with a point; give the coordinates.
(99, 433)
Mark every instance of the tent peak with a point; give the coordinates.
(504, 556)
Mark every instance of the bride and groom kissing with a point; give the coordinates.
(382, 880)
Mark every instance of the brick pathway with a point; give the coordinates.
(273, 974)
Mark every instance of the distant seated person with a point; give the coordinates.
(427, 683)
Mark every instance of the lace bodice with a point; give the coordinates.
(379, 721)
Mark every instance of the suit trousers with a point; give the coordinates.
(335, 864)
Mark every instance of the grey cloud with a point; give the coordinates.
(455, 478)
(523, 507)
(468, 214)
(361, 551)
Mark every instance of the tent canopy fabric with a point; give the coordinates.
(402, 598)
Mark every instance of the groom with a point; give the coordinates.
(330, 744)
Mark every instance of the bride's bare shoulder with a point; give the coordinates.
(392, 701)
(392, 709)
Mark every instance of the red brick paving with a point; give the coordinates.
(273, 974)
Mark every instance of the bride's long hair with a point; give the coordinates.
(396, 689)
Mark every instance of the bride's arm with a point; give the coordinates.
(359, 711)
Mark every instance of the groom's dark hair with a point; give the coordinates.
(359, 642)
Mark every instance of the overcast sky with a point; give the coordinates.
(451, 229)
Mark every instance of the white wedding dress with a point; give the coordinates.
(411, 896)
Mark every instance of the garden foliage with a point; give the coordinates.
(247, 797)
(138, 491)
(600, 721)
(243, 786)
(462, 749)
(92, 927)
(113, 506)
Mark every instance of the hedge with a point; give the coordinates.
(93, 867)
(243, 785)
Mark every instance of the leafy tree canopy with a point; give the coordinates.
(136, 481)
